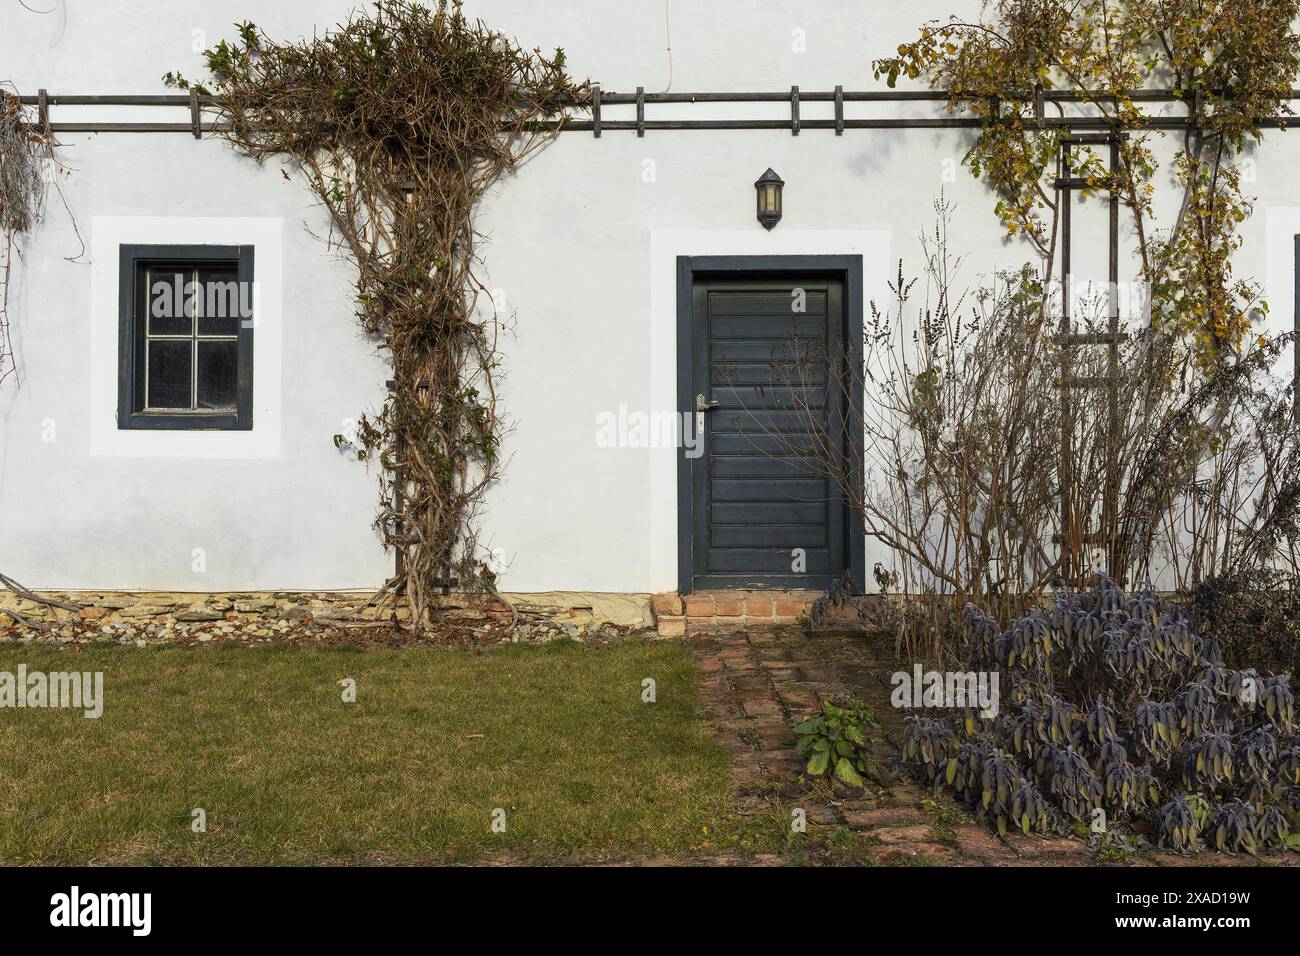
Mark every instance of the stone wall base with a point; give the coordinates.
(164, 616)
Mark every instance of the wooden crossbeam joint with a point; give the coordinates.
(1088, 139)
(1080, 182)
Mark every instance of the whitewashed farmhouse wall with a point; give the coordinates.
(581, 245)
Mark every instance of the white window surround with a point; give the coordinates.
(1281, 226)
(665, 246)
(108, 233)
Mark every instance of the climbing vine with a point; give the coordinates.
(1232, 65)
(400, 119)
(25, 151)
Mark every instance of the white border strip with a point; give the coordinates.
(108, 233)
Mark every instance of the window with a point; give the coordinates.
(186, 342)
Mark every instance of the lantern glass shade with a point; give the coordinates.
(768, 188)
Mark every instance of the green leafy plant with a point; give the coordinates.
(835, 742)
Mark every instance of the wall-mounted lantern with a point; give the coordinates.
(769, 187)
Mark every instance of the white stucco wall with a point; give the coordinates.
(580, 244)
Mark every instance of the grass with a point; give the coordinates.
(556, 736)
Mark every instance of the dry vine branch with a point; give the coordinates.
(29, 595)
(26, 151)
(401, 119)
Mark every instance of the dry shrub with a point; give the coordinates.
(991, 484)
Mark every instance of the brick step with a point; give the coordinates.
(722, 612)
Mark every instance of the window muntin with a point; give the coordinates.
(191, 338)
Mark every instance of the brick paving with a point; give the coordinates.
(761, 680)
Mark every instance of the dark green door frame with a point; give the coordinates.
(846, 269)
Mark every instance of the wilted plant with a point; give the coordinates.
(1119, 711)
(1236, 826)
(1255, 614)
(1180, 821)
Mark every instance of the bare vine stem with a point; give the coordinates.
(28, 595)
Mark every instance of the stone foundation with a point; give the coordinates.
(166, 616)
(162, 617)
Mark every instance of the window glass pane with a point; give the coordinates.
(169, 372)
(218, 362)
(223, 302)
(170, 309)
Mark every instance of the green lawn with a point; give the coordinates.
(260, 739)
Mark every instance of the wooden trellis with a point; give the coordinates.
(1106, 535)
(599, 101)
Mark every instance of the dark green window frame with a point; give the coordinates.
(135, 336)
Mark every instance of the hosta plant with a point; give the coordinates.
(1117, 716)
(835, 742)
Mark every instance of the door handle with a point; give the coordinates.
(702, 405)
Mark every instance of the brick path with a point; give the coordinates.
(762, 680)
